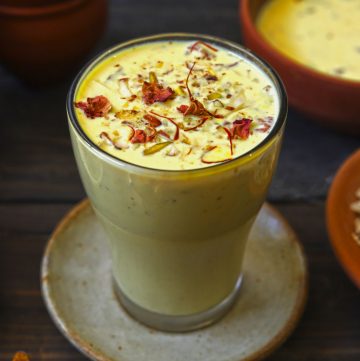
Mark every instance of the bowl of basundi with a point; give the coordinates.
(315, 47)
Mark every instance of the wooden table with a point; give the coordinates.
(39, 183)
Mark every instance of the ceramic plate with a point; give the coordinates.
(76, 284)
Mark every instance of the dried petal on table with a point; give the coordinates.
(21, 356)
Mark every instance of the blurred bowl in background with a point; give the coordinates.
(340, 218)
(333, 101)
(43, 41)
(28, 3)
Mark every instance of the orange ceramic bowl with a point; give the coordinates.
(340, 218)
(41, 42)
(333, 101)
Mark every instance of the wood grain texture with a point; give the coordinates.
(329, 330)
(39, 183)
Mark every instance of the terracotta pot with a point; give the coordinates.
(44, 43)
(28, 3)
(333, 101)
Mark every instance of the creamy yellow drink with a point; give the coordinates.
(322, 34)
(215, 106)
(176, 139)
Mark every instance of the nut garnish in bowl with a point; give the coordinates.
(355, 207)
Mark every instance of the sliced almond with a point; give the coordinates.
(124, 88)
(357, 225)
(97, 88)
(106, 138)
(357, 193)
(356, 237)
(120, 144)
(173, 151)
(355, 206)
(126, 132)
(216, 154)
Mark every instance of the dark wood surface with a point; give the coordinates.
(39, 183)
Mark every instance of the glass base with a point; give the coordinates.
(178, 323)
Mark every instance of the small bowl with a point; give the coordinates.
(333, 101)
(44, 42)
(340, 218)
(28, 3)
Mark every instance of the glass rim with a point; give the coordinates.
(225, 44)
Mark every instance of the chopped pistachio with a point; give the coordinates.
(156, 148)
(159, 64)
(218, 103)
(127, 114)
(180, 91)
(214, 96)
(211, 71)
(153, 77)
(184, 138)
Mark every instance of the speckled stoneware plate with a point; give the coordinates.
(76, 285)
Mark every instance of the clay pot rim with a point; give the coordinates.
(340, 195)
(249, 26)
(40, 10)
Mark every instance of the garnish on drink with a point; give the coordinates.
(208, 103)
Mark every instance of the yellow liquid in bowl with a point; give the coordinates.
(322, 34)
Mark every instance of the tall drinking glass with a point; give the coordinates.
(177, 238)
